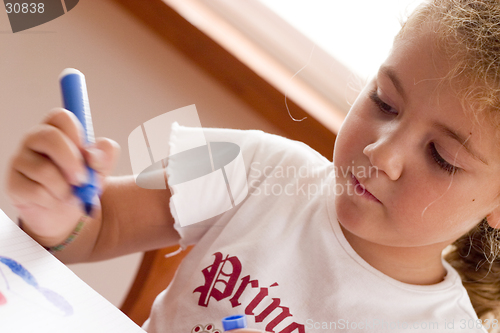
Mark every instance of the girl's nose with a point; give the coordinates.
(385, 155)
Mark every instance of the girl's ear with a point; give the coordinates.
(493, 218)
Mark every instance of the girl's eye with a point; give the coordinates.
(441, 162)
(384, 107)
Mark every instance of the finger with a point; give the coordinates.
(42, 170)
(68, 123)
(52, 142)
(103, 155)
(25, 192)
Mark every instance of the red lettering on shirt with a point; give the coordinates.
(216, 277)
(235, 301)
(221, 278)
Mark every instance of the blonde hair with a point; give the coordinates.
(467, 32)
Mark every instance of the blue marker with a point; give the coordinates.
(76, 100)
(234, 322)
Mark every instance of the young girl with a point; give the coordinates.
(318, 246)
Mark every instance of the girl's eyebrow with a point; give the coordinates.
(462, 140)
(391, 73)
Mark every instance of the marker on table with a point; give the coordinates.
(76, 100)
(234, 322)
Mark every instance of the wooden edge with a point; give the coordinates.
(154, 275)
(138, 285)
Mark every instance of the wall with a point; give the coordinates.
(132, 77)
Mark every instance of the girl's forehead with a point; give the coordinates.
(416, 65)
(418, 54)
(423, 54)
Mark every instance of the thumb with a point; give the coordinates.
(102, 156)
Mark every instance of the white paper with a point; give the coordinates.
(40, 294)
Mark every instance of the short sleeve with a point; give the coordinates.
(208, 183)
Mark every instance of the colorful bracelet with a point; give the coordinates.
(71, 237)
(68, 240)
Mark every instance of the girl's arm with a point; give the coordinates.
(135, 219)
(50, 160)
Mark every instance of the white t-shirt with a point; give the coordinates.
(281, 258)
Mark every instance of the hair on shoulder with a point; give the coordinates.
(475, 256)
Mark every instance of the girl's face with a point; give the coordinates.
(434, 174)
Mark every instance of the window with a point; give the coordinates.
(358, 33)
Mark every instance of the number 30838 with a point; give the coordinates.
(24, 8)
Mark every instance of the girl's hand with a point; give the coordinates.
(41, 173)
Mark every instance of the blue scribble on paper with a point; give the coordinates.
(18, 269)
(53, 297)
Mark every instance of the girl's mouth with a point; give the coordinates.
(360, 190)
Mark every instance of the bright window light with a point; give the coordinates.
(358, 33)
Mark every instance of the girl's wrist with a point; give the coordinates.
(79, 226)
(55, 244)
